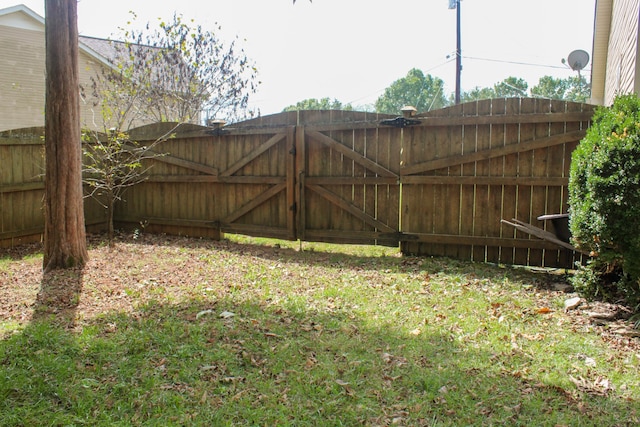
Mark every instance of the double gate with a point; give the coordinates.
(332, 182)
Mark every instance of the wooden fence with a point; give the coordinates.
(437, 184)
(22, 188)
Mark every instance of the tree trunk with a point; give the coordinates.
(65, 242)
(110, 207)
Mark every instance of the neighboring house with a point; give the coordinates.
(22, 71)
(615, 69)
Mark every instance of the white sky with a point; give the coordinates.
(352, 50)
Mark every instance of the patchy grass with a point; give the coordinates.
(176, 331)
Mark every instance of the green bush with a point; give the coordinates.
(604, 202)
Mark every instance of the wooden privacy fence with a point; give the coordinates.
(437, 184)
(22, 188)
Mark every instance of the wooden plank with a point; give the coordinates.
(255, 202)
(578, 116)
(510, 190)
(517, 118)
(481, 219)
(467, 188)
(291, 182)
(362, 196)
(525, 168)
(521, 147)
(256, 230)
(481, 241)
(172, 160)
(495, 168)
(254, 154)
(417, 201)
(217, 179)
(349, 207)
(301, 170)
(356, 180)
(357, 157)
(539, 232)
(540, 167)
(341, 165)
(498, 191)
(351, 237)
(453, 145)
(15, 188)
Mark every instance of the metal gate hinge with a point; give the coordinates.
(400, 122)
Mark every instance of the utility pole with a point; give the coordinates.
(455, 4)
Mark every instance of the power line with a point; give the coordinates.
(528, 64)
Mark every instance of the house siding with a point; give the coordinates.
(22, 86)
(22, 64)
(623, 46)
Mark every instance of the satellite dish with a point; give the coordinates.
(578, 59)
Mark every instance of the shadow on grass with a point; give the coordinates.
(59, 296)
(229, 362)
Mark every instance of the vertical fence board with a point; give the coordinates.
(482, 222)
(495, 169)
(524, 162)
(510, 189)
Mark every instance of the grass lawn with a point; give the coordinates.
(174, 331)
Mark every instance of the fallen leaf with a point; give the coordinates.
(543, 310)
(226, 315)
(415, 332)
(271, 335)
(345, 385)
(202, 313)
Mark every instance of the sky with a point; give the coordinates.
(351, 50)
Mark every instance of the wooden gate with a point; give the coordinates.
(348, 182)
(240, 181)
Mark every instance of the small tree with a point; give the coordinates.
(604, 200)
(173, 73)
(113, 164)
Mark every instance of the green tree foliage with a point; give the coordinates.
(424, 92)
(319, 104)
(173, 72)
(578, 89)
(476, 94)
(511, 87)
(508, 88)
(604, 200)
(569, 89)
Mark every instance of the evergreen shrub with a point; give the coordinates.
(604, 203)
